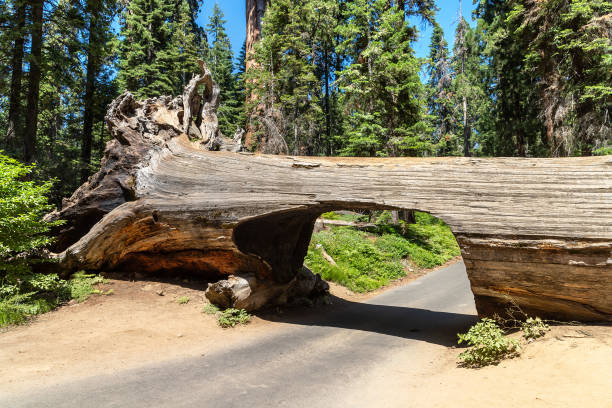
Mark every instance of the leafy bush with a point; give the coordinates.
(22, 232)
(183, 300)
(22, 204)
(534, 328)
(232, 317)
(209, 308)
(488, 344)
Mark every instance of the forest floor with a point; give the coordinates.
(142, 322)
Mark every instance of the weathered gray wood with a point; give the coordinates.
(537, 232)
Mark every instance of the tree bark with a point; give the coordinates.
(467, 131)
(13, 133)
(31, 114)
(255, 10)
(94, 8)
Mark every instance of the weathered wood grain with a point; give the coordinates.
(537, 232)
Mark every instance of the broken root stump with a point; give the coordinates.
(533, 232)
(249, 293)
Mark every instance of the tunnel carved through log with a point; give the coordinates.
(536, 232)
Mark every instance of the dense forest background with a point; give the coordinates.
(330, 77)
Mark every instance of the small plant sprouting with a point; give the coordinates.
(183, 300)
(231, 317)
(209, 308)
(533, 328)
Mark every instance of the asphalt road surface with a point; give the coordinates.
(317, 361)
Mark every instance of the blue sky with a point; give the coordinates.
(447, 17)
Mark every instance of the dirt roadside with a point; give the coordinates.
(569, 367)
(143, 321)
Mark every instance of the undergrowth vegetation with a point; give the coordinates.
(232, 317)
(37, 293)
(24, 293)
(489, 344)
(368, 260)
(229, 317)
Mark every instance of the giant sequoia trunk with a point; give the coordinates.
(534, 232)
(255, 10)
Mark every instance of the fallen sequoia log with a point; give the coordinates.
(535, 232)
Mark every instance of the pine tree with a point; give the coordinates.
(146, 66)
(566, 48)
(240, 88)
(381, 85)
(99, 15)
(440, 98)
(34, 74)
(514, 127)
(220, 62)
(286, 87)
(464, 87)
(17, 36)
(185, 49)
(328, 16)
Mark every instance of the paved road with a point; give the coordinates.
(311, 363)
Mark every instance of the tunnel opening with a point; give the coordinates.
(361, 246)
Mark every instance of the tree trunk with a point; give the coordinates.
(162, 202)
(467, 131)
(31, 114)
(326, 101)
(13, 133)
(255, 10)
(93, 66)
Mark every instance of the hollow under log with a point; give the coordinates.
(536, 232)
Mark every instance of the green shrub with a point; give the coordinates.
(488, 344)
(209, 308)
(22, 231)
(232, 317)
(534, 328)
(183, 300)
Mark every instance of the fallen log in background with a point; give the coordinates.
(537, 232)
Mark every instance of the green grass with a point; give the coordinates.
(40, 293)
(368, 261)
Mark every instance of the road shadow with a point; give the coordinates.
(409, 323)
